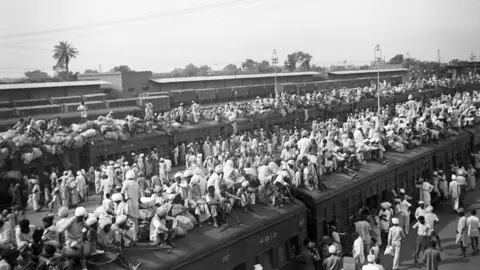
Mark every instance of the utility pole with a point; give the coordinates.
(438, 56)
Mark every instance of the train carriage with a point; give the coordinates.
(375, 181)
(270, 236)
(102, 149)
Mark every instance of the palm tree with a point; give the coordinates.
(63, 52)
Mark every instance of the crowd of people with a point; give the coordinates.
(144, 197)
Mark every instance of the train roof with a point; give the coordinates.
(207, 124)
(232, 77)
(14, 86)
(100, 139)
(201, 242)
(340, 182)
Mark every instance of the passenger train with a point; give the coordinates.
(275, 237)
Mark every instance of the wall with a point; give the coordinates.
(134, 82)
(115, 79)
(215, 84)
(40, 93)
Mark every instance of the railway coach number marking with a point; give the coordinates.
(268, 237)
(125, 146)
(226, 258)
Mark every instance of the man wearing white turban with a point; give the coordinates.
(161, 227)
(81, 186)
(395, 238)
(131, 192)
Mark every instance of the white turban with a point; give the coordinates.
(80, 211)
(130, 175)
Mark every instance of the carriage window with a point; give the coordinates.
(282, 254)
(266, 260)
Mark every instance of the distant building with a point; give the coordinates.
(23, 91)
(203, 82)
(401, 73)
(130, 83)
(458, 68)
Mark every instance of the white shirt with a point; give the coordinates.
(423, 229)
(303, 145)
(473, 225)
(420, 212)
(358, 249)
(384, 225)
(430, 219)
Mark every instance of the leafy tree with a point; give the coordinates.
(90, 71)
(230, 69)
(318, 68)
(249, 65)
(190, 70)
(63, 76)
(298, 60)
(64, 52)
(264, 67)
(121, 68)
(397, 59)
(36, 75)
(364, 67)
(178, 72)
(204, 70)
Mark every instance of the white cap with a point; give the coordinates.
(371, 258)
(80, 211)
(421, 202)
(395, 221)
(332, 249)
(402, 190)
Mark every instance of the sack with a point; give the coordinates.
(69, 141)
(78, 128)
(4, 152)
(182, 221)
(146, 214)
(111, 135)
(27, 158)
(50, 149)
(78, 142)
(89, 133)
(57, 139)
(179, 231)
(9, 134)
(37, 153)
(122, 136)
(389, 251)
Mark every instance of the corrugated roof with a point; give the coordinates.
(49, 85)
(99, 74)
(345, 72)
(231, 77)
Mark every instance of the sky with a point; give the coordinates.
(161, 35)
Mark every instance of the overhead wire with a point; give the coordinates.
(132, 20)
